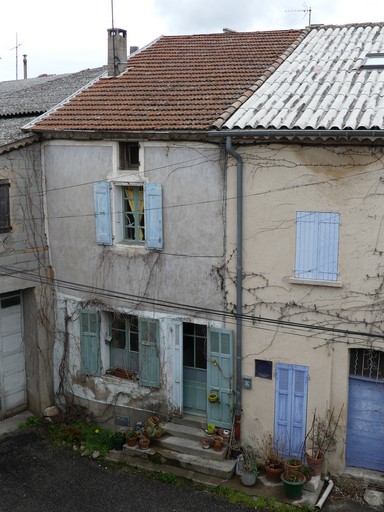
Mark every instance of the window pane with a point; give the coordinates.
(4, 207)
(133, 213)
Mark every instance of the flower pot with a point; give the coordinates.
(315, 463)
(273, 474)
(248, 479)
(217, 443)
(292, 466)
(144, 443)
(206, 443)
(132, 441)
(293, 488)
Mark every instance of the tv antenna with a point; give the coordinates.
(17, 56)
(306, 10)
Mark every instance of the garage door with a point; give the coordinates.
(365, 428)
(12, 359)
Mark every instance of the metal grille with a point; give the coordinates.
(367, 363)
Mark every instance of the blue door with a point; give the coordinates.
(291, 408)
(365, 427)
(195, 369)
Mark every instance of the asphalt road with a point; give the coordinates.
(37, 477)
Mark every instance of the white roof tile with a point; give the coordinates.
(321, 85)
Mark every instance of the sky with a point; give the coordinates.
(69, 36)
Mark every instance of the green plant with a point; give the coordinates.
(211, 428)
(322, 436)
(271, 451)
(294, 477)
(250, 457)
(87, 437)
(32, 421)
(306, 470)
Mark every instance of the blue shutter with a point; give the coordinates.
(89, 342)
(103, 213)
(291, 408)
(153, 216)
(149, 353)
(317, 240)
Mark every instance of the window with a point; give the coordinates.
(124, 342)
(133, 214)
(263, 369)
(366, 363)
(5, 219)
(373, 61)
(139, 216)
(317, 239)
(134, 350)
(90, 342)
(129, 155)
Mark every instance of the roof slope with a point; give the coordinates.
(22, 101)
(176, 83)
(321, 85)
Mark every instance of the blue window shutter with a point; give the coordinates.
(89, 342)
(317, 241)
(328, 246)
(291, 408)
(103, 213)
(149, 352)
(153, 216)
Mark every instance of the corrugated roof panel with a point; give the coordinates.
(328, 89)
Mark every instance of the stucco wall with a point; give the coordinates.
(278, 181)
(182, 273)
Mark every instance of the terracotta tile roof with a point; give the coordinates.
(176, 83)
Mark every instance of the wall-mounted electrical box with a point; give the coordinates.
(247, 382)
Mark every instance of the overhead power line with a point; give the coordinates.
(137, 299)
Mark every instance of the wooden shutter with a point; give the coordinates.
(103, 213)
(89, 342)
(317, 239)
(291, 408)
(149, 352)
(153, 216)
(5, 223)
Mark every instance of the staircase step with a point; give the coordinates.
(184, 431)
(162, 467)
(191, 421)
(190, 447)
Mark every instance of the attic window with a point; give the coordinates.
(373, 61)
(129, 155)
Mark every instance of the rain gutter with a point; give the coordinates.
(302, 134)
(239, 283)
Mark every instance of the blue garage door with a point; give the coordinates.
(365, 428)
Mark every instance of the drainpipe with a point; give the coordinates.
(239, 284)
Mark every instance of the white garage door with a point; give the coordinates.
(12, 360)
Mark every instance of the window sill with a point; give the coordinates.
(123, 374)
(315, 282)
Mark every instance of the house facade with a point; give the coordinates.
(26, 290)
(309, 147)
(136, 208)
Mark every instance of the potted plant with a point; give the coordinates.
(292, 466)
(307, 471)
(321, 438)
(248, 465)
(118, 440)
(213, 397)
(293, 484)
(271, 457)
(144, 442)
(131, 438)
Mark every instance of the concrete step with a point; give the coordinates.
(184, 431)
(164, 467)
(190, 447)
(191, 420)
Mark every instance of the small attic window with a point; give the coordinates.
(373, 61)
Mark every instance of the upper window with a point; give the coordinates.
(129, 155)
(373, 61)
(317, 245)
(133, 214)
(138, 218)
(5, 218)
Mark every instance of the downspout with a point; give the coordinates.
(239, 284)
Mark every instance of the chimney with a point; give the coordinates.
(117, 51)
(25, 67)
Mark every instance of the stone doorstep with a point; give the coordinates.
(184, 431)
(184, 445)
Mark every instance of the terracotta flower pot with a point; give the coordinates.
(273, 474)
(144, 443)
(315, 463)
